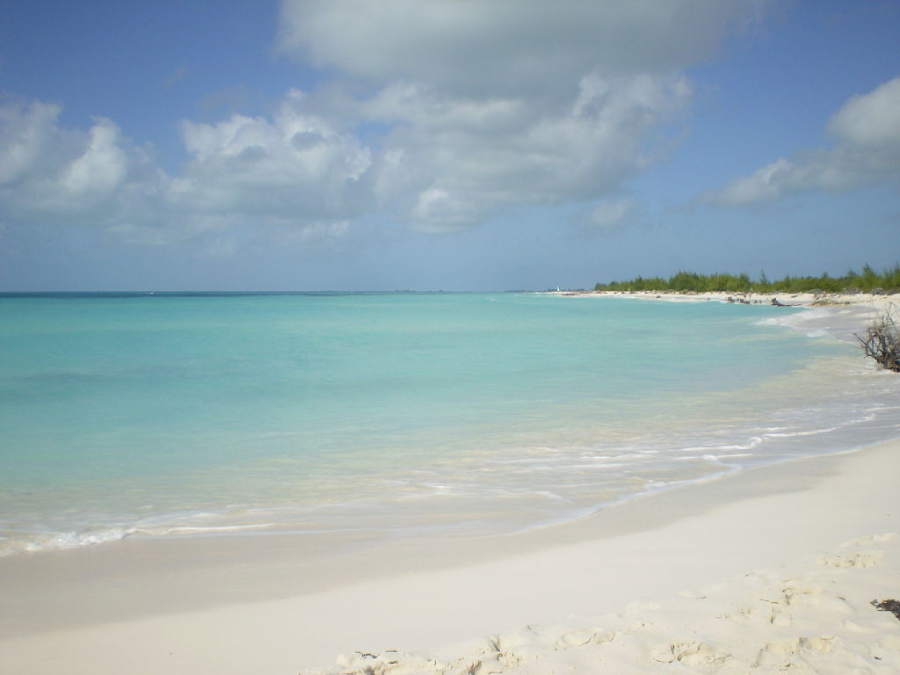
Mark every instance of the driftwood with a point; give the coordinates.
(778, 303)
(882, 342)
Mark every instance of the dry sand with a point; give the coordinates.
(834, 300)
(770, 570)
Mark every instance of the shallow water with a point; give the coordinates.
(466, 413)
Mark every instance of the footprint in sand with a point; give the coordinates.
(860, 559)
(782, 654)
(871, 539)
(760, 614)
(688, 653)
(390, 662)
(579, 638)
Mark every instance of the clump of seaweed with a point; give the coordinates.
(892, 606)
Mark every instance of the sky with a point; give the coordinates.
(443, 144)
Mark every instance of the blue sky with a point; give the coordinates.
(429, 144)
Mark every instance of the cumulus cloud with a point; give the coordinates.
(455, 161)
(866, 131)
(480, 47)
(50, 172)
(294, 169)
(495, 104)
(870, 120)
(431, 113)
(294, 166)
(28, 136)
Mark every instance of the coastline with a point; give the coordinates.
(833, 300)
(258, 605)
(795, 299)
(421, 596)
(855, 302)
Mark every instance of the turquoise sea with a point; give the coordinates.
(242, 414)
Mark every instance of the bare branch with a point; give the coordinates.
(882, 341)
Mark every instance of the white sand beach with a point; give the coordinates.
(768, 570)
(854, 300)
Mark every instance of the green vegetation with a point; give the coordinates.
(867, 281)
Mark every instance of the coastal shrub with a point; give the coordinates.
(866, 281)
(882, 341)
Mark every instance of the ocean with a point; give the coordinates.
(188, 415)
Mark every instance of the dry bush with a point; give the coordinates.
(882, 341)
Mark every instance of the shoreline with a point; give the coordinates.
(858, 308)
(839, 315)
(750, 298)
(266, 605)
(420, 596)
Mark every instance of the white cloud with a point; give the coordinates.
(48, 172)
(292, 170)
(27, 139)
(867, 150)
(102, 167)
(294, 166)
(455, 161)
(870, 120)
(458, 111)
(493, 104)
(479, 47)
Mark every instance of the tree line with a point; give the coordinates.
(866, 281)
